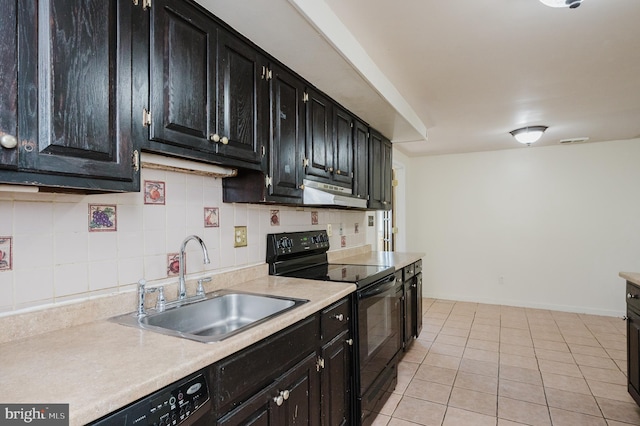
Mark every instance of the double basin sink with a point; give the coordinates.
(220, 315)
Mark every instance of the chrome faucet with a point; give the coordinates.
(182, 289)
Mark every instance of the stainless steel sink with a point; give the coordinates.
(221, 315)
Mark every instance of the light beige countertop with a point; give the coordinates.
(386, 258)
(101, 366)
(633, 277)
(73, 354)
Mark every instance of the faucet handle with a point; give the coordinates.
(161, 302)
(141, 292)
(200, 288)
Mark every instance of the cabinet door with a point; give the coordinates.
(336, 381)
(300, 389)
(343, 157)
(182, 85)
(75, 69)
(242, 99)
(8, 83)
(417, 297)
(409, 313)
(361, 160)
(255, 412)
(319, 142)
(380, 172)
(287, 140)
(633, 353)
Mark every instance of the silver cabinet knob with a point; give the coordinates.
(339, 317)
(8, 141)
(285, 394)
(224, 140)
(279, 400)
(349, 342)
(214, 137)
(632, 296)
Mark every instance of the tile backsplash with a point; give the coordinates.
(52, 254)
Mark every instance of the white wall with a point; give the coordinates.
(400, 212)
(547, 227)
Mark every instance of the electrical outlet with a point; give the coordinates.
(240, 236)
(329, 230)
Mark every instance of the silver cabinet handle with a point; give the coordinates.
(285, 394)
(349, 342)
(339, 317)
(224, 140)
(632, 296)
(8, 141)
(214, 137)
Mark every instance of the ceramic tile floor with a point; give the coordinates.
(477, 364)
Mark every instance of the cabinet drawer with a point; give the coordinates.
(409, 271)
(335, 319)
(633, 296)
(238, 376)
(418, 267)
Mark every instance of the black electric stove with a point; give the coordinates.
(377, 316)
(304, 255)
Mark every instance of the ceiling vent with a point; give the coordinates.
(573, 140)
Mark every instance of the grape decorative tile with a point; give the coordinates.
(154, 192)
(314, 218)
(102, 217)
(343, 241)
(356, 228)
(6, 253)
(211, 217)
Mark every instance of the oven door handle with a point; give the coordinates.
(380, 287)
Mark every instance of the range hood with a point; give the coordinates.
(324, 194)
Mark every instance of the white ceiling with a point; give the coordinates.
(467, 71)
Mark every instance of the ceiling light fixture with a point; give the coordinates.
(528, 134)
(562, 3)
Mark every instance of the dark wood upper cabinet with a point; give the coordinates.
(242, 99)
(72, 120)
(287, 139)
(361, 159)
(380, 171)
(319, 141)
(343, 123)
(182, 87)
(8, 84)
(207, 94)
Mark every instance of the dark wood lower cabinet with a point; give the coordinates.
(336, 381)
(411, 277)
(291, 400)
(300, 376)
(633, 341)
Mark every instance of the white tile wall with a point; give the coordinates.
(56, 258)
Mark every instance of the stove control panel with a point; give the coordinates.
(292, 243)
(186, 399)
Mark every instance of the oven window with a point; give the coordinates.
(379, 324)
(379, 333)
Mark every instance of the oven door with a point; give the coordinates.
(379, 332)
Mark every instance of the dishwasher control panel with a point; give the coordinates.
(186, 399)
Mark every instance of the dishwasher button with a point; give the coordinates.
(194, 388)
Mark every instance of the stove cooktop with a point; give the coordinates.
(361, 275)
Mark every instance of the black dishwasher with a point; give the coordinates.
(185, 402)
